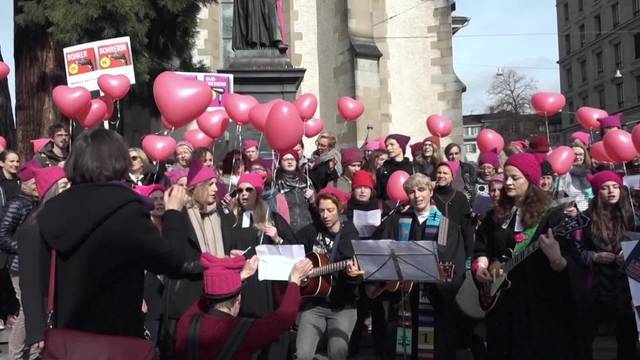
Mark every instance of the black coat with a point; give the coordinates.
(10, 187)
(322, 175)
(389, 167)
(105, 240)
(14, 213)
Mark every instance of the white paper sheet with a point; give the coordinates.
(366, 221)
(276, 261)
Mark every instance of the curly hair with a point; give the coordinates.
(536, 201)
(608, 224)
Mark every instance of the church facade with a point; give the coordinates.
(394, 56)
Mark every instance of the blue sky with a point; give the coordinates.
(476, 55)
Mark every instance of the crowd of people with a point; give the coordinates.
(167, 251)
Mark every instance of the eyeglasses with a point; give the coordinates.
(135, 158)
(247, 190)
(289, 159)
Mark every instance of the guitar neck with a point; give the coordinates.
(328, 269)
(514, 261)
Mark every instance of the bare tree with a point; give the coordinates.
(511, 92)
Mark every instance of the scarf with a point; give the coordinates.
(326, 156)
(208, 229)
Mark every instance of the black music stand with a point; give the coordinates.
(391, 260)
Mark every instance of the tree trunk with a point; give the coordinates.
(7, 126)
(39, 68)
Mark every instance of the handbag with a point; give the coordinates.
(66, 344)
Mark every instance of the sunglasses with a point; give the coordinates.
(247, 190)
(135, 158)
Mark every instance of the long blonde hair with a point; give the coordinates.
(260, 213)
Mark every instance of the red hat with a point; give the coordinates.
(362, 178)
(350, 156)
(539, 144)
(199, 173)
(290, 152)
(582, 136)
(26, 170)
(46, 178)
(602, 177)
(342, 196)
(402, 140)
(147, 190)
(38, 144)
(249, 143)
(221, 277)
(432, 139)
(490, 158)
(416, 148)
(528, 165)
(254, 180)
(611, 121)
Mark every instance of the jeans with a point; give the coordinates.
(314, 322)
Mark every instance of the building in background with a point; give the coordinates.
(599, 57)
(397, 60)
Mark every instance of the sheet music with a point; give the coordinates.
(366, 221)
(275, 261)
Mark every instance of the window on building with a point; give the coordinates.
(570, 105)
(565, 10)
(636, 7)
(602, 103)
(583, 70)
(583, 35)
(636, 44)
(569, 76)
(597, 25)
(585, 100)
(620, 94)
(580, 5)
(599, 64)
(617, 55)
(638, 89)
(471, 131)
(615, 14)
(567, 43)
(470, 148)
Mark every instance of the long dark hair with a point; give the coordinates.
(608, 223)
(97, 156)
(535, 200)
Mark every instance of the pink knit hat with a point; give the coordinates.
(147, 190)
(490, 158)
(611, 121)
(350, 156)
(602, 177)
(46, 178)
(249, 143)
(372, 145)
(199, 173)
(403, 140)
(582, 136)
(342, 196)
(26, 171)
(185, 144)
(528, 165)
(453, 165)
(38, 144)
(221, 277)
(254, 180)
(176, 174)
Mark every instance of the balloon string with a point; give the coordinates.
(546, 122)
(70, 132)
(260, 142)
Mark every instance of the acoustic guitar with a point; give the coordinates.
(377, 289)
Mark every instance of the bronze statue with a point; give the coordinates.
(256, 25)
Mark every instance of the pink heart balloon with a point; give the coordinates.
(3, 143)
(4, 70)
(213, 123)
(635, 136)
(197, 138)
(259, 113)
(588, 117)
(116, 86)
(490, 140)
(313, 127)
(395, 189)
(619, 145)
(109, 102)
(599, 153)
(561, 159)
(439, 125)
(158, 147)
(307, 104)
(165, 124)
(349, 108)
(238, 107)
(547, 103)
(71, 101)
(284, 127)
(96, 114)
(180, 99)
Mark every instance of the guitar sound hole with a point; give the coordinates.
(304, 282)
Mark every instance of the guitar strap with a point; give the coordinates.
(336, 243)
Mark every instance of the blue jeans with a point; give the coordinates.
(314, 322)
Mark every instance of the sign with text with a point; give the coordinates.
(86, 62)
(220, 84)
(631, 251)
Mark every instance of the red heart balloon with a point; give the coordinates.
(395, 189)
(238, 107)
(635, 136)
(96, 114)
(4, 70)
(489, 140)
(180, 99)
(259, 113)
(165, 123)
(109, 102)
(116, 86)
(619, 145)
(159, 148)
(599, 153)
(313, 127)
(561, 159)
(71, 101)
(439, 125)
(213, 123)
(307, 104)
(197, 138)
(349, 108)
(3, 143)
(547, 103)
(284, 127)
(588, 117)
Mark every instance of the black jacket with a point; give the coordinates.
(10, 188)
(389, 167)
(14, 213)
(46, 157)
(322, 175)
(105, 240)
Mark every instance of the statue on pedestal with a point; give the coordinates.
(256, 25)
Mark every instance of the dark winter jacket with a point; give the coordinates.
(46, 157)
(105, 240)
(389, 167)
(8, 187)
(14, 213)
(322, 175)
